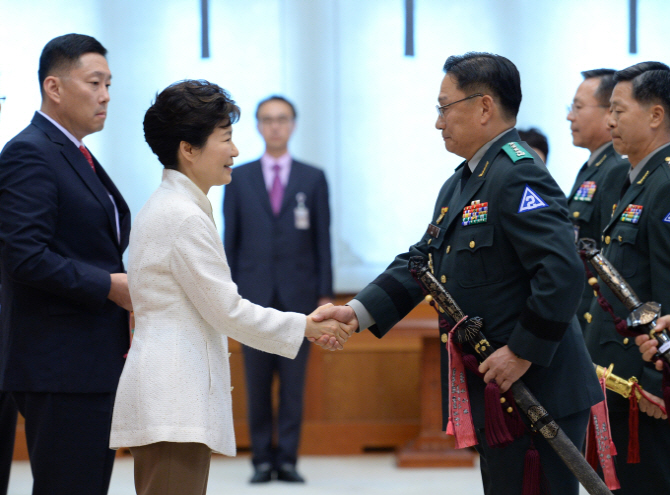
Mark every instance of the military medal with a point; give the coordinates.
(585, 191)
(443, 212)
(631, 214)
(475, 213)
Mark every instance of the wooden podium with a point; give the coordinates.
(432, 447)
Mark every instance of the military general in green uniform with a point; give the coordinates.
(599, 180)
(501, 242)
(637, 242)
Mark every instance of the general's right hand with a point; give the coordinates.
(348, 324)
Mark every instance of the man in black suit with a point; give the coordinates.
(501, 243)
(65, 297)
(599, 180)
(277, 240)
(8, 415)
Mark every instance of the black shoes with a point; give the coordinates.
(287, 472)
(263, 473)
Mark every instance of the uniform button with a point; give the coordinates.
(588, 317)
(444, 338)
(625, 341)
(620, 238)
(602, 237)
(448, 249)
(472, 244)
(575, 214)
(443, 279)
(509, 409)
(607, 240)
(595, 293)
(593, 281)
(429, 241)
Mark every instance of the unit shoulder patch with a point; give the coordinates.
(516, 152)
(530, 201)
(667, 218)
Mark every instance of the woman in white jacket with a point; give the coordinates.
(173, 404)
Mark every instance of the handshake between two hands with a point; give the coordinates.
(330, 326)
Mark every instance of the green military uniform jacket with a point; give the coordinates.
(589, 194)
(638, 245)
(517, 268)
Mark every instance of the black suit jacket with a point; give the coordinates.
(518, 269)
(58, 245)
(269, 257)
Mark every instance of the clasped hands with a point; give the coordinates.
(330, 326)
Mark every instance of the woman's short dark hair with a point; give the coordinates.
(188, 111)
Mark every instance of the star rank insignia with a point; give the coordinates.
(585, 191)
(477, 212)
(443, 211)
(631, 214)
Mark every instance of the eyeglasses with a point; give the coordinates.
(574, 109)
(440, 109)
(283, 120)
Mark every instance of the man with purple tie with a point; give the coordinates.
(277, 240)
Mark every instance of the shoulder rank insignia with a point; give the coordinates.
(585, 191)
(516, 152)
(530, 201)
(667, 217)
(631, 214)
(477, 212)
(443, 211)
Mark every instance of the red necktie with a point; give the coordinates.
(87, 155)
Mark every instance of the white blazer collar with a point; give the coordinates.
(178, 182)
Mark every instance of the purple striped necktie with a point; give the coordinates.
(277, 191)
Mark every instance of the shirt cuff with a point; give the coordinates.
(365, 319)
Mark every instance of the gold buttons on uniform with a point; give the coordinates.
(509, 409)
(472, 244)
(575, 214)
(588, 317)
(593, 281)
(625, 341)
(429, 241)
(607, 239)
(444, 338)
(503, 400)
(448, 249)
(443, 279)
(620, 238)
(667, 158)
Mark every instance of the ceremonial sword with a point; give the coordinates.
(470, 331)
(643, 316)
